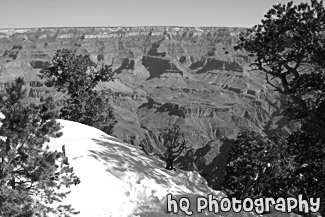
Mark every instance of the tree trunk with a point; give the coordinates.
(169, 164)
(13, 183)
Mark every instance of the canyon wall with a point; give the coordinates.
(164, 75)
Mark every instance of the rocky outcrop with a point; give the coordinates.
(126, 96)
(39, 55)
(210, 64)
(210, 121)
(39, 92)
(158, 66)
(127, 64)
(35, 84)
(154, 51)
(13, 52)
(38, 64)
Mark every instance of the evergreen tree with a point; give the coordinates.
(288, 47)
(78, 75)
(248, 166)
(92, 108)
(258, 166)
(307, 178)
(29, 172)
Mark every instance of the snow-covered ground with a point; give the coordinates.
(117, 180)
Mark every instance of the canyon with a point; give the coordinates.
(190, 76)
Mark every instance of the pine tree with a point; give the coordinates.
(92, 108)
(248, 166)
(77, 76)
(288, 48)
(29, 172)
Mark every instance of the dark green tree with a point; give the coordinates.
(77, 76)
(29, 172)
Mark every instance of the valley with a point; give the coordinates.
(163, 75)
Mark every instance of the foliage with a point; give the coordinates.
(78, 75)
(172, 143)
(29, 172)
(91, 108)
(248, 164)
(289, 48)
(258, 166)
(308, 153)
(74, 74)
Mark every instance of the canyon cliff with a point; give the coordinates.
(164, 75)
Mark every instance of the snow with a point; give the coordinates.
(117, 180)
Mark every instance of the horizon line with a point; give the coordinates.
(59, 27)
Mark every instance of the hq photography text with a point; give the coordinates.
(260, 205)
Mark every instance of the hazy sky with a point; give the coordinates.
(63, 13)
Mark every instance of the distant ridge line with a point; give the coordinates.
(85, 27)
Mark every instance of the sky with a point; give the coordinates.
(87, 13)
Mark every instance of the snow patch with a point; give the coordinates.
(117, 180)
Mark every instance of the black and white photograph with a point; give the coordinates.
(152, 108)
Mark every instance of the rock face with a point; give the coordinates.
(164, 75)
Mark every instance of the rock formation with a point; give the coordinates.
(164, 75)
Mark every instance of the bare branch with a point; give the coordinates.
(273, 85)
